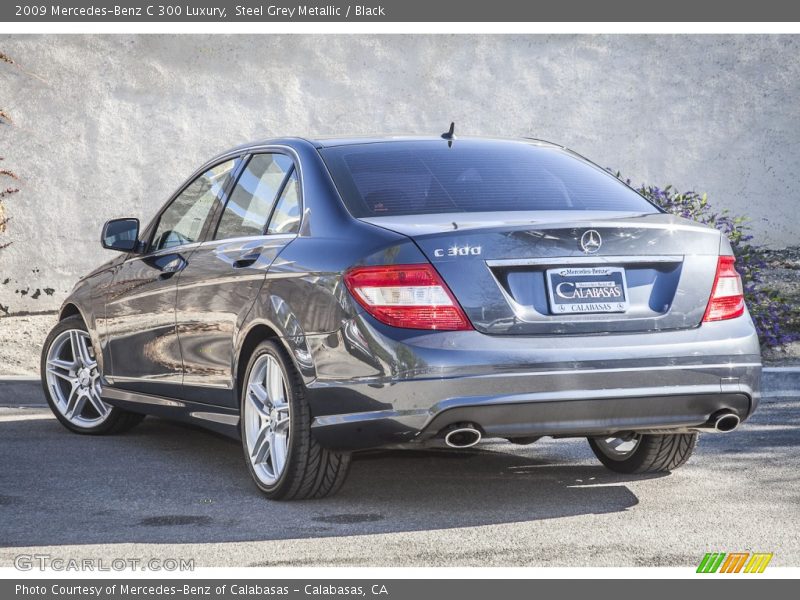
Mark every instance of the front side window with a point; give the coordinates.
(253, 197)
(183, 220)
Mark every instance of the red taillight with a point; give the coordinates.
(727, 295)
(409, 296)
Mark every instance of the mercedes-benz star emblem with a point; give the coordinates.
(591, 241)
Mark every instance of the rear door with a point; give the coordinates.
(140, 310)
(225, 273)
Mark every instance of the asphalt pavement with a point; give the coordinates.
(174, 491)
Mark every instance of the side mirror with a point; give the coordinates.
(121, 235)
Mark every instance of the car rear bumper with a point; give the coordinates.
(374, 390)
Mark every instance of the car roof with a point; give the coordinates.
(320, 142)
(328, 142)
(335, 141)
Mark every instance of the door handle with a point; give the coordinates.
(246, 260)
(172, 267)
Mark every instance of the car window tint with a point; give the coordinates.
(182, 221)
(409, 178)
(286, 218)
(252, 198)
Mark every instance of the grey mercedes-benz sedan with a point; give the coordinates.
(319, 297)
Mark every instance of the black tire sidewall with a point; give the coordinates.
(648, 456)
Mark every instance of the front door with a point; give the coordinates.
(140, 308)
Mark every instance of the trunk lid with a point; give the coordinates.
(505, 270)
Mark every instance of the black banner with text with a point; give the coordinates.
(390, 589)
(243, 11)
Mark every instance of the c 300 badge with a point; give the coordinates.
(457, 251)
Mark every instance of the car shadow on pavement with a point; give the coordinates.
(169, 482)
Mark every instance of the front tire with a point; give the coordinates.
(644, 453)
(71, 380)
(284, 459)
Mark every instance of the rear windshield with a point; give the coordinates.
(409, 178)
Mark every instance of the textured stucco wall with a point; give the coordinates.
(107, 126)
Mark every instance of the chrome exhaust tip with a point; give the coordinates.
(726, 422)
(462, 436)
(722, 421)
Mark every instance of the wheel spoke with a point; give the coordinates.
(75, 404)
(258, 396)
(98, 404)
(62, 368)
(282, 423)
(69, 404)
(277, 451)
(64, 365)
(274, 381)
(86, 352)
(84, 343)
(261, 446)
(75, 346)
(619, 447)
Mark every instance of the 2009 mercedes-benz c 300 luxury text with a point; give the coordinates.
(319, 297)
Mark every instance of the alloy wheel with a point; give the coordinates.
(73, 378)
(267, 415)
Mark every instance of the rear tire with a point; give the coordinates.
(284, 459)
(71, 380)
(644, 453)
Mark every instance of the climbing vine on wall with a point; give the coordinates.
(9, 178)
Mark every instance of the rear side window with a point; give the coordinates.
(286, 217)
(253, 197)
(407, 178)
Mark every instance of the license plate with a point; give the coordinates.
(575, 290)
